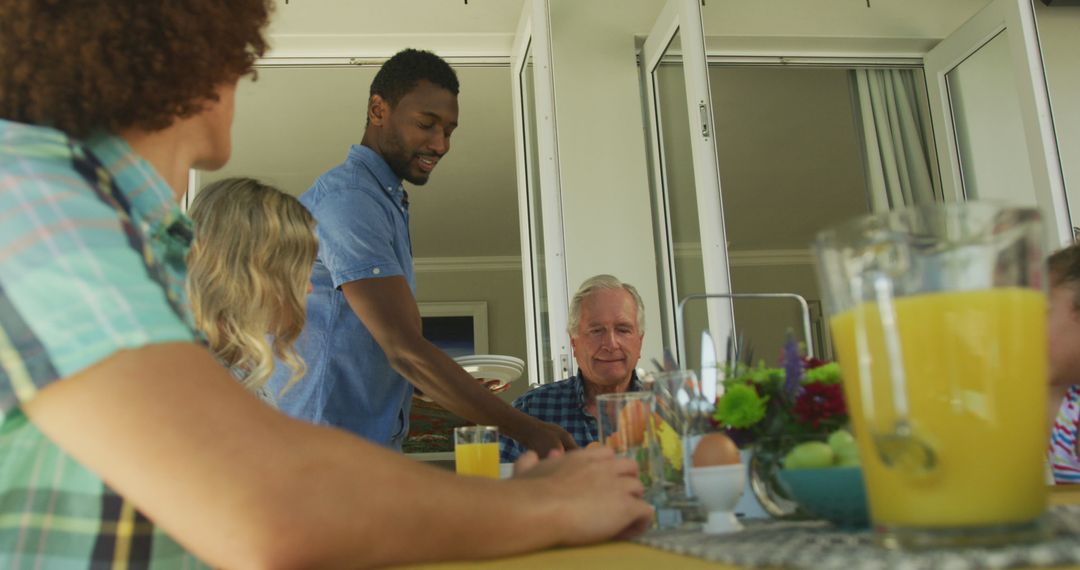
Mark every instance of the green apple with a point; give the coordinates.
(849, 462)
(843, 445)
(841, 437)
(810, 455)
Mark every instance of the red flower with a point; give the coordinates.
(818, 403)
(812, 362)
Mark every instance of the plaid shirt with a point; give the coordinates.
(92, 250)
(561, 403)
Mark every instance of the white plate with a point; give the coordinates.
(506, 368)
(490, 358)
(494, 371)
(497, 378)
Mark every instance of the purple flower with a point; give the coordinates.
(793, 369)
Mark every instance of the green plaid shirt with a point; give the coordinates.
(92, 250)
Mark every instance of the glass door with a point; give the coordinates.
(991, 114)
(691, 243)
(539, 203)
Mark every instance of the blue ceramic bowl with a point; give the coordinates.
(836, 494)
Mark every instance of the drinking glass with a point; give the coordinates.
(938, 317)
(627, 426)
(682, 416)
(476, 451)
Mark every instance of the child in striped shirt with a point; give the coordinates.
(1063, 340)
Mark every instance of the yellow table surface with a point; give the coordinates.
(632, 556)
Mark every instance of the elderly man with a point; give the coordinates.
(607, 323)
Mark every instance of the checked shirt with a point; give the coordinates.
(561, 403)
(92, 250)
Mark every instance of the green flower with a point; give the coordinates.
(826, 374)
(740, 407)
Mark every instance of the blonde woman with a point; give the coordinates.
(248, 273)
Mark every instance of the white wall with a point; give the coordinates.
(605, 187)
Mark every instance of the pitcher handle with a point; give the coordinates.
(899, 448)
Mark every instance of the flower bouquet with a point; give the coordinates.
(772, 410)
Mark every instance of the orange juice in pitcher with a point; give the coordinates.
(975, 368)
(938, 317)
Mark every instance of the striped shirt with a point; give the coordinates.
(1062, 453)
(561, 403)
(92, 261)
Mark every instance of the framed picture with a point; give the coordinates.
(459, 329)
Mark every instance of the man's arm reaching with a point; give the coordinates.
(387, 308)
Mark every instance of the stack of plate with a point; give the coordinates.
(496, 372)
(502, 369)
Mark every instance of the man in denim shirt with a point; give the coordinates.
(362, 342)
(607, 324)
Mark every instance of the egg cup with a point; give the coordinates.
(719, 488)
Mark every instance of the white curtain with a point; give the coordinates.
(898, 146)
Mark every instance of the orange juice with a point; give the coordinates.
(975, 369)
(477, 459)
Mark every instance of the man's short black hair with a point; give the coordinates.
(400, 74)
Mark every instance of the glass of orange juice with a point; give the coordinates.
(938, 318)
(476, 451)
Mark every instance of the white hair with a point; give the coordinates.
(595, 283)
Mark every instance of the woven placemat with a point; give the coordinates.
(820, 546)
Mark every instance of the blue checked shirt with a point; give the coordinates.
(561, 403)
(92, 261)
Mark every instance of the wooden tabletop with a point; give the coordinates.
(631, 556)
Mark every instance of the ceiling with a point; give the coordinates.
(369, 28)
(379, 17)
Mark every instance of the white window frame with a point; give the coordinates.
(1017, 17)
(534, 31)
(684, 17)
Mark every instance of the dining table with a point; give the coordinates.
(628, 555)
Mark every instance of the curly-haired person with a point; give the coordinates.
(123, 442)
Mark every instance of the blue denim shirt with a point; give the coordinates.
(362, 222)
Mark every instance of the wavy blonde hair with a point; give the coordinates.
(248, 274)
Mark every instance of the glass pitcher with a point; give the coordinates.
(938, 317)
